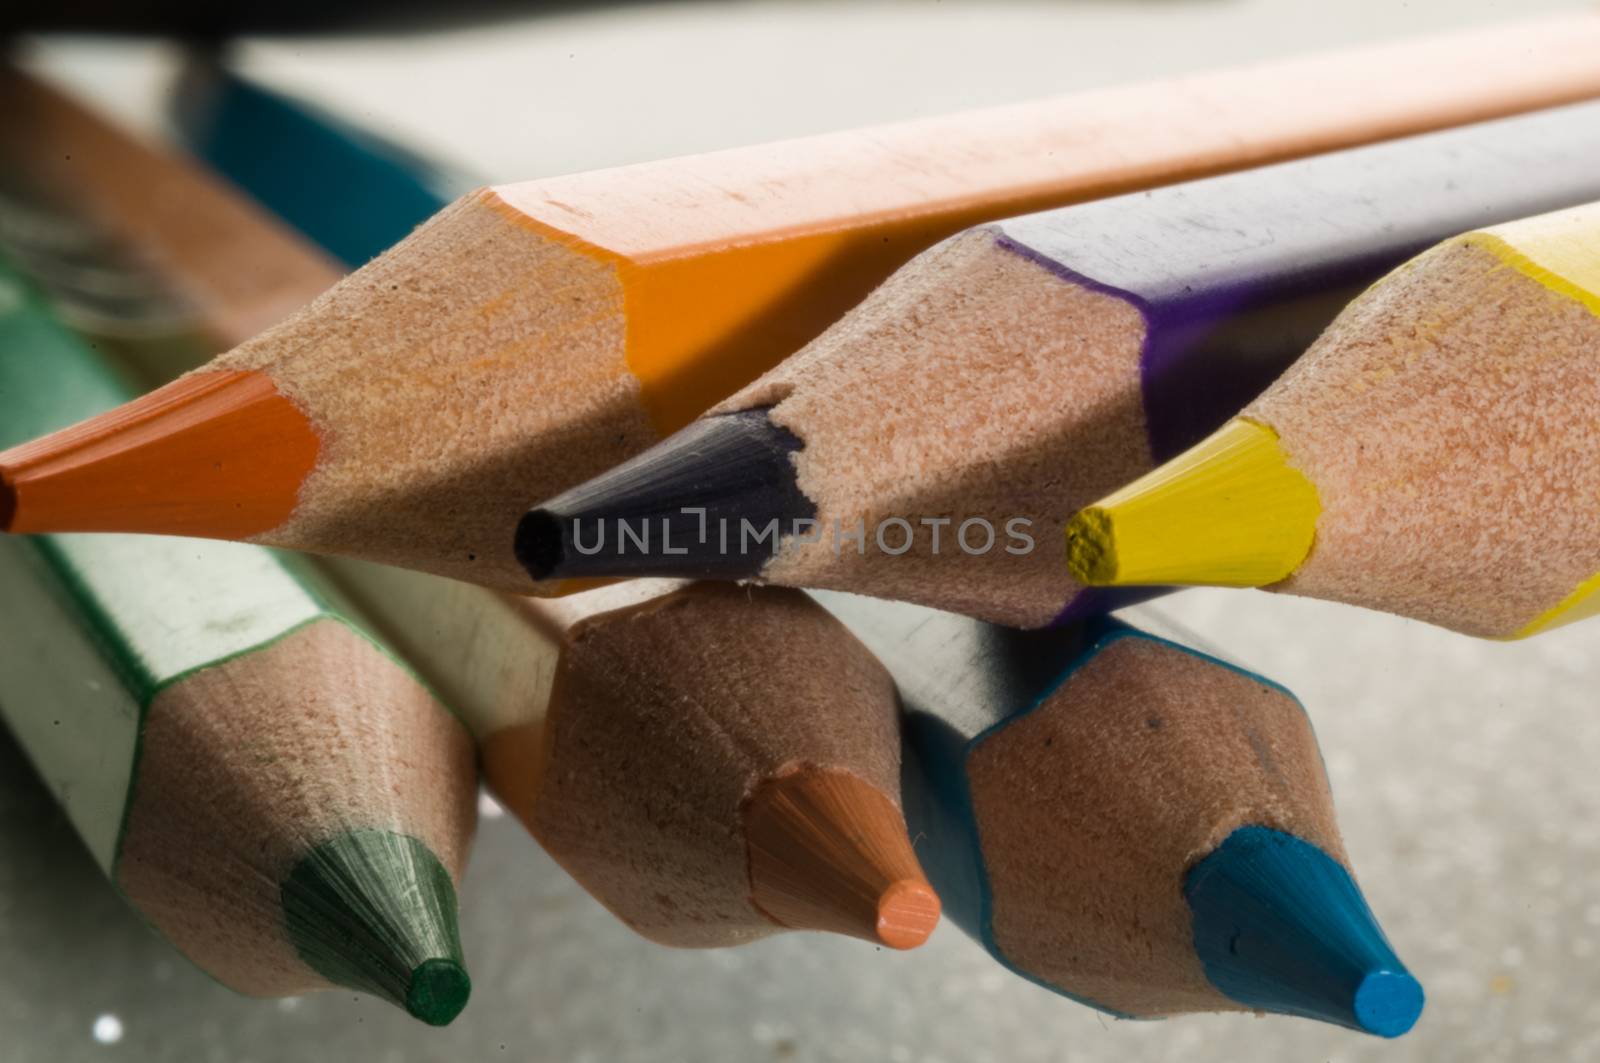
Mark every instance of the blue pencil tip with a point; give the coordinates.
(1280, 926)
(1388, 1003)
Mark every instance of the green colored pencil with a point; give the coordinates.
(263, 781)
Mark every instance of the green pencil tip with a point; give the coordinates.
(375, 911)
(439, 990)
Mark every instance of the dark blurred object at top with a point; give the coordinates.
(210, 21)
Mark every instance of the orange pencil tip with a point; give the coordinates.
(907, 913)
(830, 852)
(219, 455)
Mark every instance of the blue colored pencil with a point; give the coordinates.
(1131, 822)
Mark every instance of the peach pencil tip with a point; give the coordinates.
(830, 852)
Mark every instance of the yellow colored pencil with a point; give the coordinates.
(1431, 455)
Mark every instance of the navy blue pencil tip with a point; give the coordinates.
(1280, 926)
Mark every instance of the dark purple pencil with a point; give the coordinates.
(931, 445)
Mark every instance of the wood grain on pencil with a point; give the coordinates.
(531, 335)
(1431, 455)
(712, 764)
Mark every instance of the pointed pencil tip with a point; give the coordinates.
(831, 852)
(1091, 547)
(215, 455)
(1280, 926)
(1230, 512)
(540, 543)
(375, 910)
(1388, 1003)
(697, 505)
(908, 911)
(439, 990)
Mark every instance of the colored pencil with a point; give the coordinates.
(368, 194)
(1131, 822)
(532, 335)
(676, 748)
(1427, 456)
(713, 765)
(211, 247)
(1021, 370)
(267, 786)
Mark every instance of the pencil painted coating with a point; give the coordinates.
(1099, 806)
(369, 194)
(1436, 425)
(530, 336)
(161, 688)
(1023, 369)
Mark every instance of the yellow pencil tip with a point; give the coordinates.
(1091, 547)
(1230, 512)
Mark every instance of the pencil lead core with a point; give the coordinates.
(1230, 512)
(907, 913)
(831, 852)
(439, 990)
(217, 455)
(711, 502)
(1280, 926)
(376, 911)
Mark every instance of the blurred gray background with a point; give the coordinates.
(1465, 772)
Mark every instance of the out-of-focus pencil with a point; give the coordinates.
(1131, 822)
(958, 418)
(368, 193)
(279, 797)
(532, 335)
(212, 247)
(1430, 456)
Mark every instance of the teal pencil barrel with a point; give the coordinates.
(348, 189)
